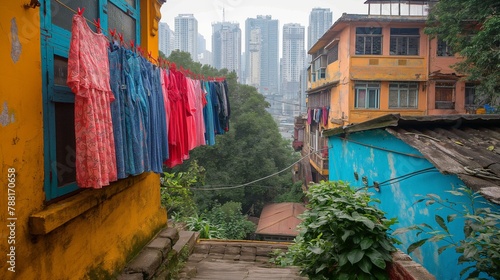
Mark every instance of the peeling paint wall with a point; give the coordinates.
(398, 198)
(16, 47)
(100, 239)
(6, 117)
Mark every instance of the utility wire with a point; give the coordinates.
(387, 182)
(399, 178)
(380, 148)
(263, 178)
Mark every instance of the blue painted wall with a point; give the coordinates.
(387, 158)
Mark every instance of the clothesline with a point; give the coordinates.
(140, 116)
(160, 62)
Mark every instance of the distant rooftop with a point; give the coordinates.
(280, 219)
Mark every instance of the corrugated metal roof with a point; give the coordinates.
(280, 219)
(465, 145)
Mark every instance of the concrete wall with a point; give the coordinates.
(397, 199)
(89, 235)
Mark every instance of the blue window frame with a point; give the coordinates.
(58, 100)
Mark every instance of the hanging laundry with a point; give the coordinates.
(208, 115)
(324, 115)
(115, 54)
(132, 116)
(88, 78)
(200, 102)
(191, 111)
(137, 115)
(178, 141)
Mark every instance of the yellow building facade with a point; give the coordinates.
(82, 234)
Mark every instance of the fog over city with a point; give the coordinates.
(208, 12)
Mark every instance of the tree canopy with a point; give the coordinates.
(472, 29)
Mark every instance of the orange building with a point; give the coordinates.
(366, 66)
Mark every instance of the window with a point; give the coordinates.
(443, 49)
(367, 95)
(368, 40)
(445, 94)
(59, 135)
(319, 67)
(333, 54)
(403, 95)
(470, 94)
(405, 41)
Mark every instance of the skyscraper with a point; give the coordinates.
(166, 38)
(320, 20)
(226, 46)
(262, 48)
(186, 34)
(293, 62)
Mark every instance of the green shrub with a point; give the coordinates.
(206, 229)
(342, 236)
(233, 223)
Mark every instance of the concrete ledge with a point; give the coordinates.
(59, 213)
(147, 262)
(164, 245)
(186, 238)
(170, 233)
(404, 268)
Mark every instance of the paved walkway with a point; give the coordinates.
(235, 260)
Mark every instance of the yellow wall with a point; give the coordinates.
(380, 68)
(96, 242)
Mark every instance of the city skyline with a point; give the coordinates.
(238, 11)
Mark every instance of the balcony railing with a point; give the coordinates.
(320, 161)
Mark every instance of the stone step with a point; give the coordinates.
(188, 238)
(160, 255)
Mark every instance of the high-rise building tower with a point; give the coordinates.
(293, 61)
(320, 20)
(166, 38)
(262, 48)
(226, 46)
(186, 34)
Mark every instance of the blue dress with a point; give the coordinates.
(135, 115)
(117, 109)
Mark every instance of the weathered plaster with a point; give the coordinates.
(16, 47)
(5, 117)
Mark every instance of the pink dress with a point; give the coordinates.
(88, 78)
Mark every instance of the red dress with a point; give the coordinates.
(88, 78)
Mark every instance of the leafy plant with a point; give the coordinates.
(481, 245)
(206, 229)
(233, 223)
(176, 196)
(342, 236)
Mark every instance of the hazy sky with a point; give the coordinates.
(292, 11)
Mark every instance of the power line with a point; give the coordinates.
(263, 178)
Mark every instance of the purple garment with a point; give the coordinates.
(325, 115)
(309, 117)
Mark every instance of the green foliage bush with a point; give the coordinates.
(342, 236)
(234, 225)
(206, 229)
(176, 197)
